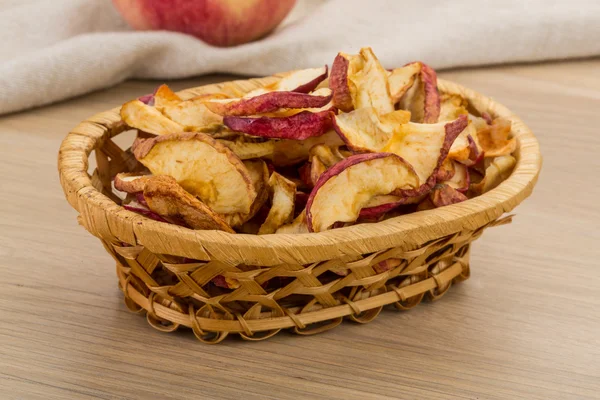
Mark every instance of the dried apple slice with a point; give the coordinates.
(298, 127)
(204, 167)
(497, 171)
(193, 114)
(402, 79)
(443, 195)
(328, 155)
(365, 130)
(446, 171)
(131, 182)
(317, 168)
(494, 140)
(425, 146)
(466, 148)
(297, 226)
(259, 174)
(360, 81)
(301, 81)
(148, 119)
(344, 189)
(246, 150)
(168, 199)
(290, 152)
(452, 106)
(423, 98)
(282, 204)
(460, 179)
(165, 97)
(269, 102)
(380, 205)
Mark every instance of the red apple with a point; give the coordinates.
(217, 22)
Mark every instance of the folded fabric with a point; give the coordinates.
(53, 50)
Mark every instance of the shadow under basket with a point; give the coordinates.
(306, 283)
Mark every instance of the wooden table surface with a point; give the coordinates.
(525, 326)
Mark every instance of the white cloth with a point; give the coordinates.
(55, 49)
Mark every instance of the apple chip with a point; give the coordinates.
(282, 204)
(380, 205)
(259, 174)
(290, 152)
(193, 114)
(165, 97)
(425, 146)
(301, 81)
(148, 119)
(131, 182)
(498, 170)
(269, 102)
(422, 99)
(402, 79)
(364, 130)
(166, 198)
(452, 106)
(328, 155)
(344, 189)
(444, 195)
(494, 140)
(360, 81)
(466, 148)
(446, 171)
(298, 127)
(246, 150)
(297, 226)
(204, 167)
(460, 179)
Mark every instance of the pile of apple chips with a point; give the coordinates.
(312, 152)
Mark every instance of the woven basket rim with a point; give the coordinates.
(105, 219)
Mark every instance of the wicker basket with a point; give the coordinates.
(286, 281)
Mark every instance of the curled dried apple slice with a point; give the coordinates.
(193, 114)
(204, 167)
(131, 182)
(301, 81)
(259, 174)
(148, 119)
(168, 199)
(460, 179)
(365, 130)
(498, 170)
(165, 97)
(452, 106)
(246, 150)
(344, 189)
(402, 79)
(328, 155)
(444, 195)
(494, 140)
(269, 102)
(380, 205)
(298, 127)
(425, 146)
(360, 81)
(466, 148)
(422, 99)
(446, 171)
(282, 203)
(290, 152)
(297, 226)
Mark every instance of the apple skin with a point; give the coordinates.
(217, 22)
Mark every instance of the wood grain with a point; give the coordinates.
(524, 326)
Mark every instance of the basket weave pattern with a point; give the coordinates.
(307, 283)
